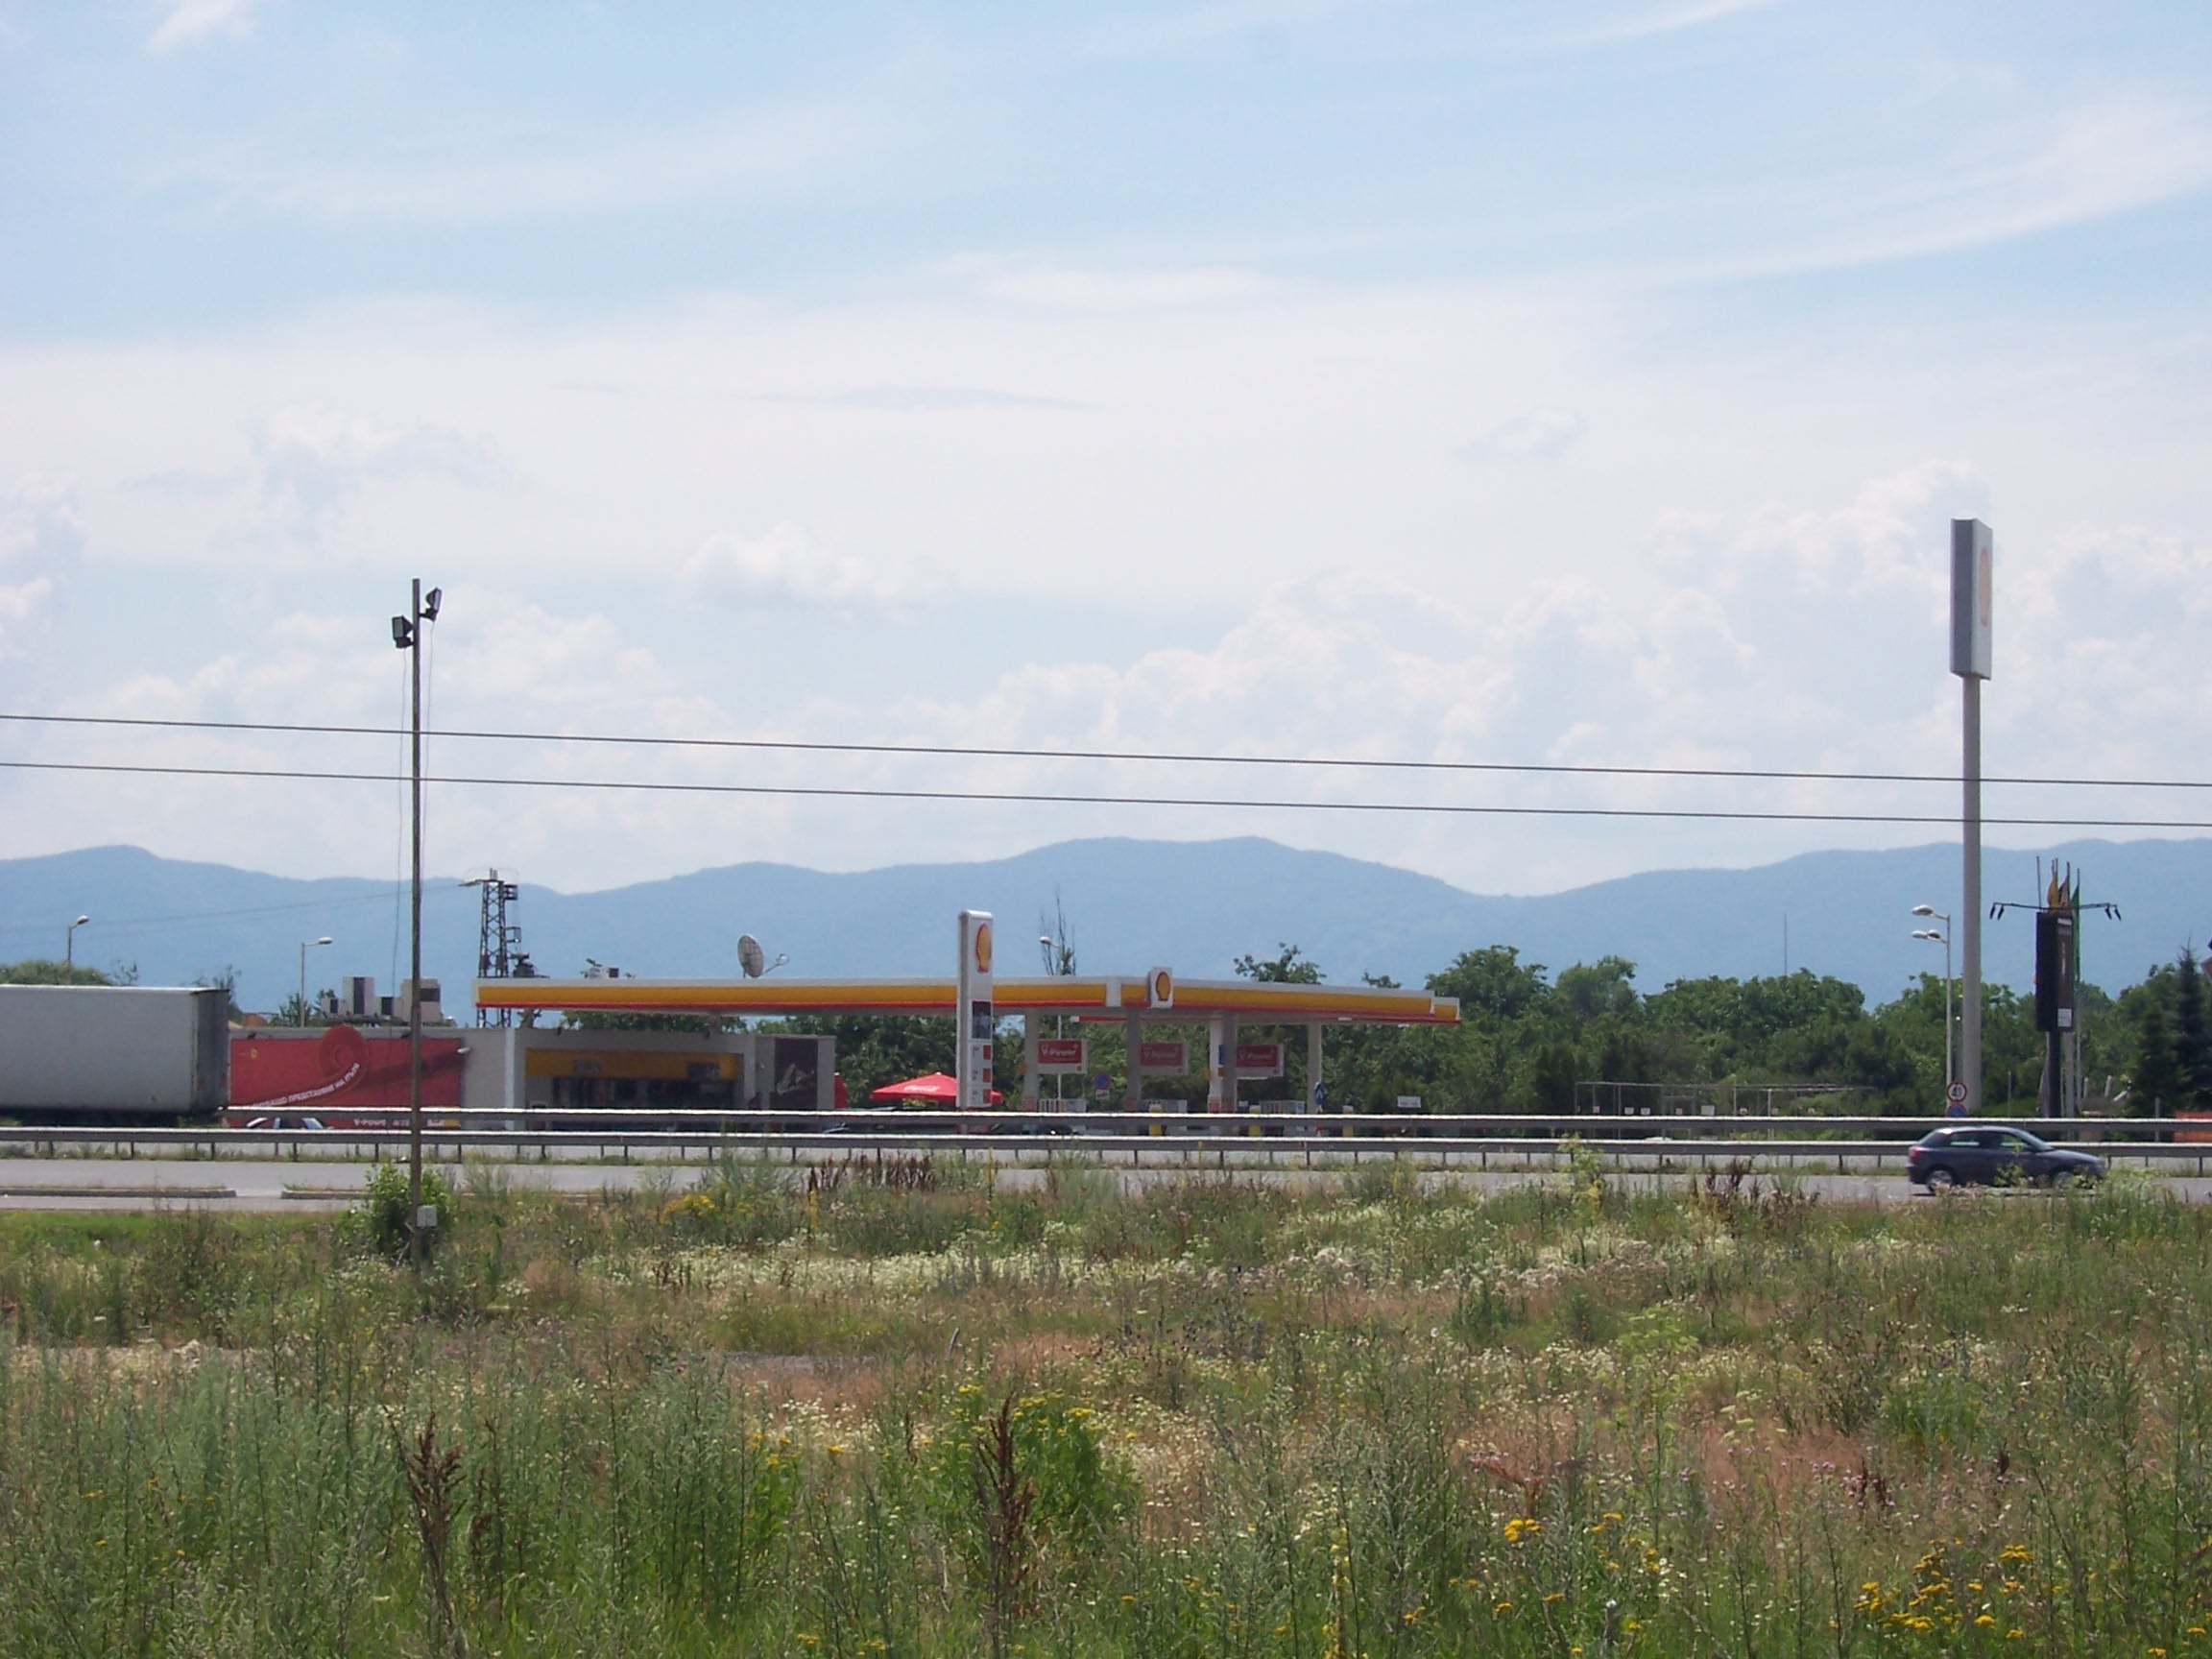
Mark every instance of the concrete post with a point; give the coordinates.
(1971, 872)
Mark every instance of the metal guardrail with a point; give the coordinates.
(1223, 1141)
(858, 1121)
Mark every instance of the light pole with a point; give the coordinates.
(407, 636)
(69, 944)
(306, 944)
(1950, 1067)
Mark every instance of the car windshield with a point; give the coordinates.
(2033, 1142)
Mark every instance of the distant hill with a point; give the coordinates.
(1193, 904)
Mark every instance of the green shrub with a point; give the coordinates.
(382, 1215)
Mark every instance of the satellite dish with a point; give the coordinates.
(750, 957)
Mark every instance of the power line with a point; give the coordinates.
(156, 923)
(861, 792)
(953, 750)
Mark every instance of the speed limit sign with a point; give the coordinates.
(1957, 1095)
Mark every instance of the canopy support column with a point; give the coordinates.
(1315, 1092)
(1029, 1061)
(1221, 1075)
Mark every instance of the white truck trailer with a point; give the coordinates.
(112, 1053)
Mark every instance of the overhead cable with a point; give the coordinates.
(955, 751)
(865, 792)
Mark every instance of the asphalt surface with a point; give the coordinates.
(310, 1183)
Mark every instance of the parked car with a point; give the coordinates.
(1988, 1153)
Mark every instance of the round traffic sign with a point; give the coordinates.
(1956, 1094)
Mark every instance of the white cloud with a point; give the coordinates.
(2008, 172)
(1256, 537)
(1542, 434)
(40, 527)
(1805, 639)
(41, 540)
(1641, 23)
(1260, 24)
(785, 566)
(1056, 287)
(190, 22)
(926, 400)
(441, 180)
(311, 460)
(21, 607)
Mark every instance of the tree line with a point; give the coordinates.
(1527, 1036)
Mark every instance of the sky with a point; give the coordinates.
(1583, 382)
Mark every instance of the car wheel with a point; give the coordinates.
(1941, 1180)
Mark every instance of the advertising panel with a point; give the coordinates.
(1259, 1059)
(2054, 971)
(1163, 1058)
(1971, 553)
(795, 1075)
(337, 1072)
(1062, 1056)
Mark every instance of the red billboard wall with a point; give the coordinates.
(338, 1071)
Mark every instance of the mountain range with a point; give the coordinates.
(1194, 905)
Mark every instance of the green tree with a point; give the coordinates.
(1493, 984)
(1291, 967)
(2192, 1034)
(1553, 1076)
(1594, 989)
(36, 971)
(2155, 1087)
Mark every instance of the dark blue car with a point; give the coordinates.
(1988, 1154)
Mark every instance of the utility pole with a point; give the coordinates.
(1971, 552)
(407, 636)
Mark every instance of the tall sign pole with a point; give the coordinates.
(1971, 551)
(978, 1022)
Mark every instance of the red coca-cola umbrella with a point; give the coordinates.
(930, 1089)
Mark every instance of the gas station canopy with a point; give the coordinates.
(1247, 1001)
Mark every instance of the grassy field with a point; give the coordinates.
(903, 1414)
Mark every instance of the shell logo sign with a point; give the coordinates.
(983, 946)
(1160, 988)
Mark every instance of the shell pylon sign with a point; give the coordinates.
(979, 1022)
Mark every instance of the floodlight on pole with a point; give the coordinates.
(69, 943)
(1942, 936)
(305, 945)
(407, 636)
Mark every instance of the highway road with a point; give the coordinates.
(310, 1184)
